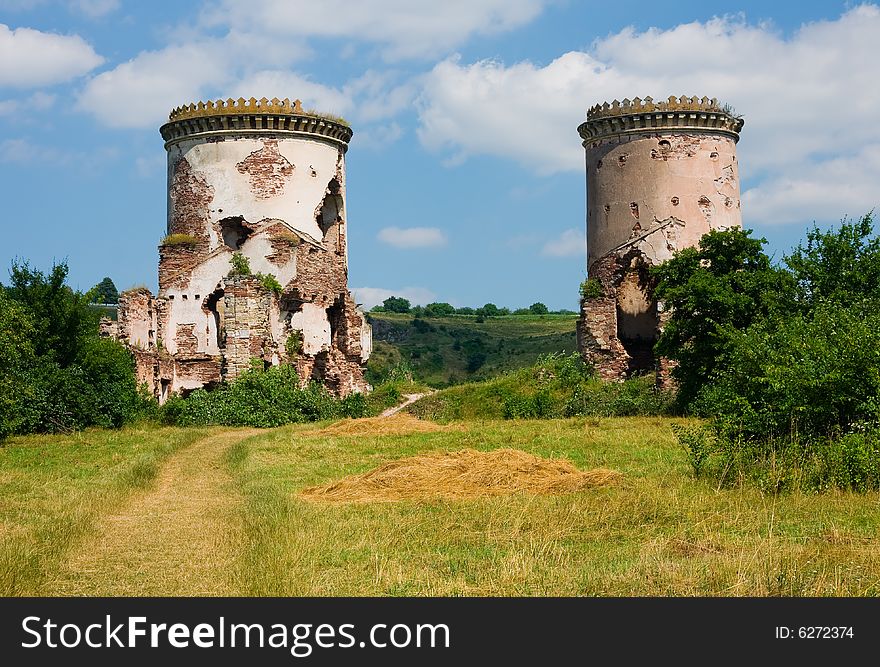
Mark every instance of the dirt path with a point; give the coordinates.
(177, 538)
(410, 398)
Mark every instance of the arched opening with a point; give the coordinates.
(637, 320)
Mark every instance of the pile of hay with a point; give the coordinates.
(461, 475)
(399, 424)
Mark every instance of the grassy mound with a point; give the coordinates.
(462, 475)
(557, 386)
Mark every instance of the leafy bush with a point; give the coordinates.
(816, 374)
(240, 265)
(263, 399)
(714, 290)
(270, 283)
(591, 288)
(538, 308)
(396, 304)
(17, 359)
(56, 374)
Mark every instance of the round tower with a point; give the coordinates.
(659, 176)
(254, 264)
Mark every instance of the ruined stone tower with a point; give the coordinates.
(261, 181)
(659, 176)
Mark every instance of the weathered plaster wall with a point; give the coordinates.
(312, 321)
(636, 181)
(256, 178)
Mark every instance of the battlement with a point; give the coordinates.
(694, 114)
(252, 116)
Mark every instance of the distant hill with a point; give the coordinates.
(443, 351)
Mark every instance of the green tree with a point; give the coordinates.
(718, 288)
(489, 310)
(815, 374)
(16, 362)
(64, 376)
(841, 264)
(538, 308)
(105, 292)
(62, 317)
(396, 304)
(439, 309)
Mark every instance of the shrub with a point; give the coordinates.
(56, 374)
(240, 265)
(263, 399)
(270, 283)
(591, 288)
(439, 310)
(721, 287)
(815, 374)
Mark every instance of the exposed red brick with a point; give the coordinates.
(267, 169)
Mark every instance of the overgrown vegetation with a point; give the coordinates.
(56, 374)
(241, 266)
(261, 398)
(557, 386)
(187, 240)
(783, 360)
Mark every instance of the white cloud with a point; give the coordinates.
(402, 28)
(23, 152)
(95, 8)
(808, 98)
(91, 8)
(30, 58)
(373, 296)
(283, 84)
(141, 92)
(412, 237)
(377, 137)
(39, 101)
(825, 191)
(571, 243)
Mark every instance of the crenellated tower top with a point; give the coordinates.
(253, 116)
(676, 114)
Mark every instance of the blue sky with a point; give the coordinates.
(465, 174)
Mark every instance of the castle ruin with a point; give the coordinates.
(659, 176)
(258, 183)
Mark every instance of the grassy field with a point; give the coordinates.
(444, 351)
(217, 511)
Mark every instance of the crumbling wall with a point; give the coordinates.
(136, 319)
(280, 202)
(248, 335)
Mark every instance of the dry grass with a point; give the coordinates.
(175, 538)
(399, 424)
(461, 475)
(660, 533)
